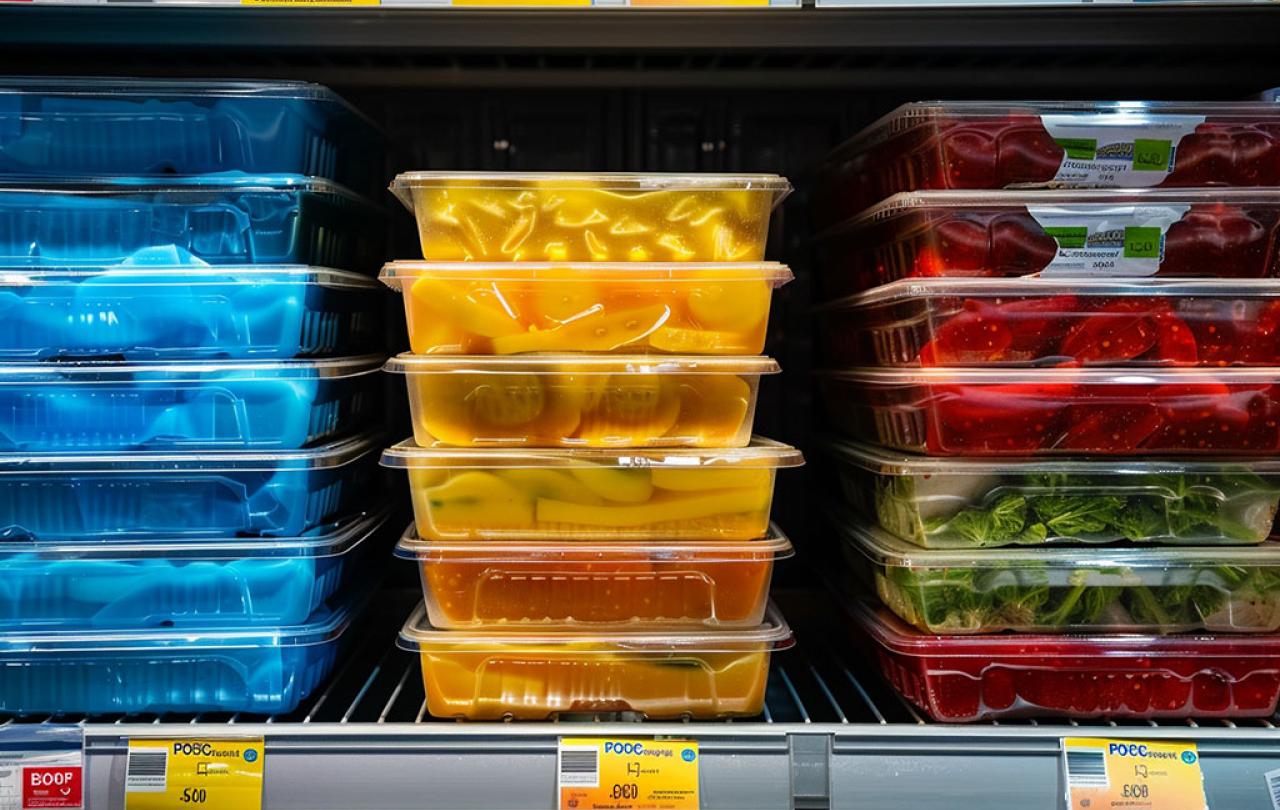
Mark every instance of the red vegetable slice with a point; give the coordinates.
(1014, 418)
(1213, 416)
(1116, 428)
(1115, 332)
(1175, 344)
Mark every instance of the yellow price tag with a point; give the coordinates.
(190, 773)
(1131, 774)
(627, 774)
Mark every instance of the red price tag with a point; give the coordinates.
(52, 787)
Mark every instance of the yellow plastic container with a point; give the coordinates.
(491, 675)
(582, 401)
(494, 216)
(595, 494)
(520, 307)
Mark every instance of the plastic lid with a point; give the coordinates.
(131, 462)
(412, 547)
(1126, 113)
(210, 183)
(627, 182)
(773, 634)
(888, 462)
(900, 638)
(395, 273)
(95, 86)
(1055, 375)
(1103, 199)
(326, 624)
(193, 371)
(579, 364)
(915, 289)
(330, 540)
(760, 452)
(886, 550)
(160, 275)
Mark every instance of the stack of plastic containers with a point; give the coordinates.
(1062, 407)
(592, 512)
(187, 480)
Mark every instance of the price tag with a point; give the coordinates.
(1131, 774)
(190, 773)
(41, 766)
(598, 774)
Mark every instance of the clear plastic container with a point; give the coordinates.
(215, 219)
(670, 673)
(592, 494)
(78, 126)
(977, 503)
(184, 312)
(257, 670)
(94, 583)
(1058, 411)
(991, 322)
(639, 307)
(1177, 233)
(572, 217)
(1057, 589)
(583, 583)
(575, 400)
(68, 497)
(1075, 144)
(233, 405)
(964, 679)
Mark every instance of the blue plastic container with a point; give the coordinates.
(232, 405)
(214, 219)
(260, 670)
(92, 583)
(60, 497)
(148, 126)
(150, 313)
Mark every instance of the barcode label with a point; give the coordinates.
(1273, 787)
(147, 771)
(579, 766)
(1087, 769)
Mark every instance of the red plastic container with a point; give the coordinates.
(994, 322)
(1182, 233)
(969, 678)
(1076, 144)
(1061, 411)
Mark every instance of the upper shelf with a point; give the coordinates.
(1201, 27)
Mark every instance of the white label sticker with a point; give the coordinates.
(1119, 241)
(1273, 787)
(41, 767)
(1116, 150)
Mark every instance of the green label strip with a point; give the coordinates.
(1069, 237)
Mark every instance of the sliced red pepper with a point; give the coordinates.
(997, 419)
(1116, 331)
(1175, 343)
(1210, 416)
(1113, 428)
(998, 332)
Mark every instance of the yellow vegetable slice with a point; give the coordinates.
(621, 485)
(632, 409)
(473, 309)
(713, 409)
(550, 484)
(595, 332)
(672, 510)
(478, 499)
(675, 340)
(707, 478)
(739, 305)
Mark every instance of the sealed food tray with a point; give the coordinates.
(576, 400)
(214, 219)
(153, 495)
(258, 670)
(592, 495)
(1058, 411)
(991, 322)
(580, 217)
(637, 307)
(977, 503)
(185, 312)
(1057, 589)
(1131, 677)
(535, 675)
(79, 126)
(94, 583)
(583, 583)
(233, 405)
(1175, 233)
(1073, 144)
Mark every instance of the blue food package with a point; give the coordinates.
(92, 583)
(233, 405)
(68, 496)
(214, 219)
(105, 125)
(194, 312)
(260, 670)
